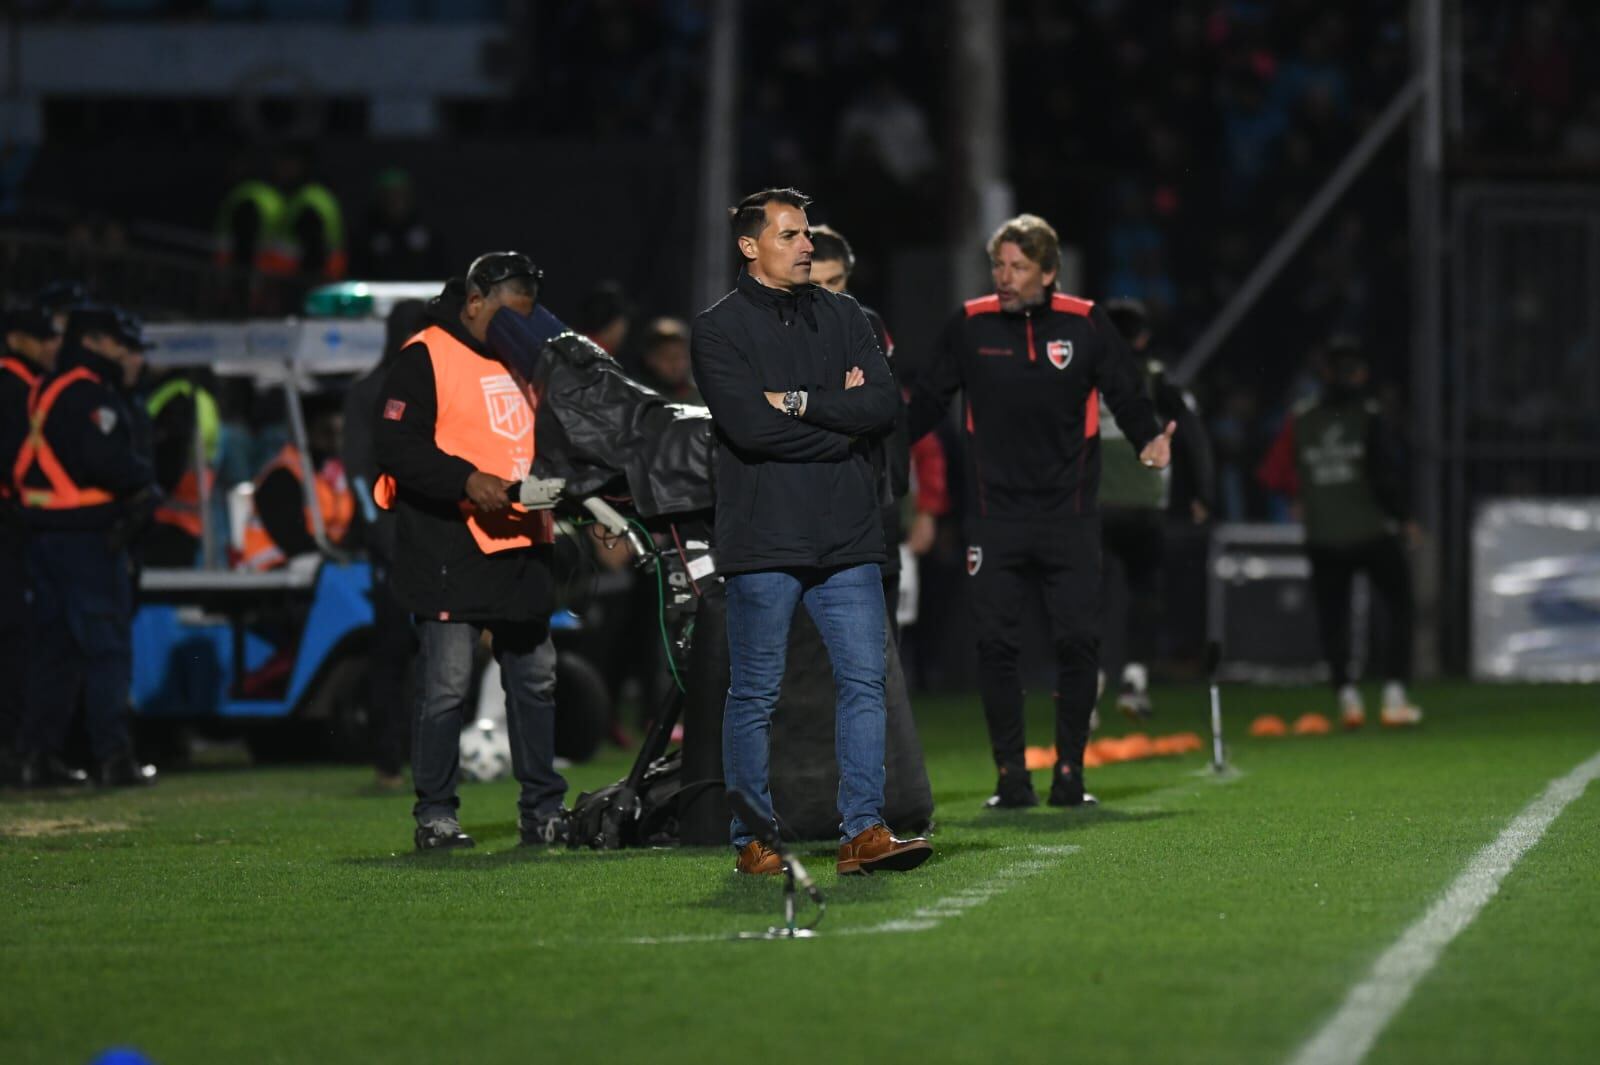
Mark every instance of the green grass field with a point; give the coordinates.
(278, 915)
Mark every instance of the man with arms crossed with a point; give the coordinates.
(797, 386)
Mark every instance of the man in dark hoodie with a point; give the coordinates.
(85, 486)
(797, 386)
(393, 639)
(455, 437)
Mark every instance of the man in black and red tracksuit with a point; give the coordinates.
(1032, 363)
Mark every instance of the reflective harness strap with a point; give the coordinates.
(63, 493)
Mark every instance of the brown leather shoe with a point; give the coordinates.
(758, 859)
(875, 850)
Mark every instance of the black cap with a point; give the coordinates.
(491, 268)
(62, 296)
(115, 322)
(33, 323)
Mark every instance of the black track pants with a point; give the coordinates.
(1057, 563)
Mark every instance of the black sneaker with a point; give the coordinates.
(442, 833)
(1012, 791)
(48, 771)
(544, 832)
(125, 771)
(1067, 789)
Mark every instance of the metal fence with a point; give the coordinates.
(158, 285)
(1520, 378)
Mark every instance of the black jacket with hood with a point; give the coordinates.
(793, 493)
(439, 572)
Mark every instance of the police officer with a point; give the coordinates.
(32, 342)
(455, 437)
(84, 488)
(1340, 457)
(1032, 363)
(1135, 502)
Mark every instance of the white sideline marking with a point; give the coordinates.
(1347, 1036)
(934, 913)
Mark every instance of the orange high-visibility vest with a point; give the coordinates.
(486, 419)
(181, 509)
(338, 503)
(63, 492)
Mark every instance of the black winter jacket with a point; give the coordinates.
(439, 572)
(1030, 413)
(793, 493)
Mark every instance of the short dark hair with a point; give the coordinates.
(829, 246)
(601, 306)
(749, 216)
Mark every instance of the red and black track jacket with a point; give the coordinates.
(1030, 407)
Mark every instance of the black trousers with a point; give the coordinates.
(1133, 543)
(1057, 563)
(81, 626)
(392, 658)
(1389, 573)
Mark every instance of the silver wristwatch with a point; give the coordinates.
(791, 404)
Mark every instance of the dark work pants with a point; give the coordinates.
(82, 619)
(1059, 563)
(1133, 543)
(527, 659)
(14, 637)
(394, 645)
(1389, 573)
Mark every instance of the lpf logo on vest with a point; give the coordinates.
(509, 415)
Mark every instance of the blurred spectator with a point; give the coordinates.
(665, 358)
(604, 315)
(397, 244)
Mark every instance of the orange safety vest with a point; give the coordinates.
(63, 493)
(338, 503)
(486, 419)
(181, 509)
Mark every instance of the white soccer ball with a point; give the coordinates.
(485, 750)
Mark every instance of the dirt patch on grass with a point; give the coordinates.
(33, 827)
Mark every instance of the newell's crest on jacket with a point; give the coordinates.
(974, 560)
(1059, 352)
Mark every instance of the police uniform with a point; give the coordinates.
(82, 486)
(17, 376)
(1031, 383)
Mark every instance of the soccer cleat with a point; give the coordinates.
(1397, 709)
(1352, 714)
(1133, 697)
(1012, 791)
(125, 771)
(1400, 716)
(758, 859)
(543, 832)
(1067, 789)
(443, 833)
(48, 771)
(877, 850)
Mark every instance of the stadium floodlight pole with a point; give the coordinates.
(1338, 183)
(793, 872)
(719, 147)
(1214, 660)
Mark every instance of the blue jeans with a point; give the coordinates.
(847, 607)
